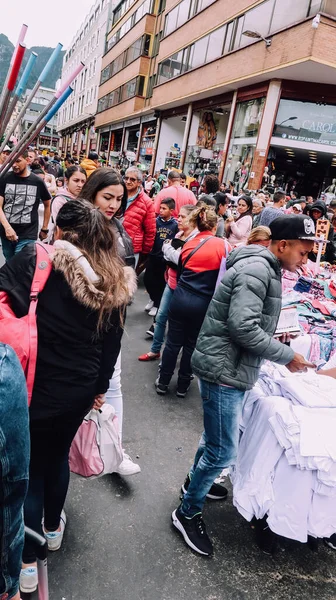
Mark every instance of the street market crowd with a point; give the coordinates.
(241, 294)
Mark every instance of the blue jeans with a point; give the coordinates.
(14, 465)
(219, 442)
(161, 320)
(11, 248)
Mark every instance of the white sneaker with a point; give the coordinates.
(28, 580)
(55, 538)
(149, 306)
(128, 467)
(153, 311)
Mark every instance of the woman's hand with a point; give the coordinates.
(229, 219)
(99, 401)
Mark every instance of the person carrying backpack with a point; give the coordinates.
(80, 315)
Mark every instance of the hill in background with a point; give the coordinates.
(6, 51)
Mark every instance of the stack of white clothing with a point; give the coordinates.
(286, 465)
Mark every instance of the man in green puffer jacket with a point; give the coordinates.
(236, 336)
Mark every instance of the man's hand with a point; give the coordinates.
(43, 235)
(99, 401)
(299, 364)
(10, 234)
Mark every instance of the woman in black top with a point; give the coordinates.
(79, 323)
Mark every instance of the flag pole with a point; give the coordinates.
(54, 56)
(10, 85)
(20, 88)
(34, 131)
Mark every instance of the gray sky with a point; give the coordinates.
(48, 22)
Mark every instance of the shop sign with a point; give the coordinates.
(131, 156)
(306, 122)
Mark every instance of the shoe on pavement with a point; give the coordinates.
(182, 389)
(28, 580)
(55, 538)
(161, 388)
(153, 311)
(331, 542)
(216, 492)
(149, 306)
(150, 331)
(147, 357)
(193, 531)
(128, 467)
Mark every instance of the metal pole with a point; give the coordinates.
(39, 82)
(11, 84)
(19, 91)
(27, 139)
(20, 41)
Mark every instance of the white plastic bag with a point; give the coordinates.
(96, 449)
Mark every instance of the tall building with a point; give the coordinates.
(76, 117)
(48, 138)
(245, 89)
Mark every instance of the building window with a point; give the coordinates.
(162, 6)
(198, 53)
(139, 48)
(134, 87)
(145, 8)
(182, 12)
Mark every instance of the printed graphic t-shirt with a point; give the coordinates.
(22, 196)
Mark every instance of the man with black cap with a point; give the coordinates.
(236, 336)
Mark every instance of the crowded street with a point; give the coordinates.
(120, 543)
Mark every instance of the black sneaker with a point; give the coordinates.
(194, 532)
(265, 538)
(161, 389)
(150, 331)
(331, 542)
(182, 389)
(216, 492)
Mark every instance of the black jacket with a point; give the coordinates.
(74, 362)
(329, 255)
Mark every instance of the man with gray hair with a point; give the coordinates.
(139, 218)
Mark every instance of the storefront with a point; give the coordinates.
(169, 150)
(148, 134)
(243, 142)
(206, 140)
(302, 154)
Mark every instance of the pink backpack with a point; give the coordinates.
(96, 449)
(21, 333)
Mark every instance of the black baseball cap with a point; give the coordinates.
(294, 227)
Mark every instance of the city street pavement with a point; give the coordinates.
(120, 544)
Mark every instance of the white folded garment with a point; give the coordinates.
(317, 431)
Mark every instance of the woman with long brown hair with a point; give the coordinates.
(106, 190)
(80, 324)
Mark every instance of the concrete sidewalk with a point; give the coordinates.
(119, 543)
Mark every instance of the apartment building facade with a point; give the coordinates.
(76, 118)
(48, 137)
(244, 89)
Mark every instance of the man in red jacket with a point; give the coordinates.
(181, 195)
(139, 219)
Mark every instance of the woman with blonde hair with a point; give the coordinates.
(260, 235)
(79, 325)
(200, 261)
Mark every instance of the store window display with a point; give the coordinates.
(246, 125)
(206, 141)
